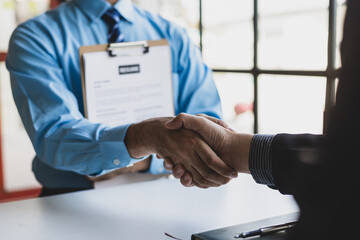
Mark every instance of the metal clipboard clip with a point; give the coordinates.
(128, 48)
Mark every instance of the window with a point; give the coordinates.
(275, 65)
(275, 62)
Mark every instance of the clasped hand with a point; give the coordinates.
(226, 146)
(181, 147)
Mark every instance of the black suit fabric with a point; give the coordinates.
(322, 172)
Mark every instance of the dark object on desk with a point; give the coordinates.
(266, 230)
(228, 233)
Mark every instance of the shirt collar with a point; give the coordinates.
(94, 9)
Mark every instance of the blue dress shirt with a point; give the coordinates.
(44, 66)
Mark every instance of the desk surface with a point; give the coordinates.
(143, 210)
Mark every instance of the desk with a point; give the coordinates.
(144, 210)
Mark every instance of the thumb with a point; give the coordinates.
(175, 123)
(204, 127)
(187, 121)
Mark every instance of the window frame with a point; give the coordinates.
(331, 72)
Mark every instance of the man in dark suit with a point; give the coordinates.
(319, 170)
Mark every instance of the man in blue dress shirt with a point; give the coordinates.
(44, 67)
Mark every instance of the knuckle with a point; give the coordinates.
(162, 153)
(221, 123)
(185, 182)
(190, 141)
(216, 120)
(181, 115)
(178, 171)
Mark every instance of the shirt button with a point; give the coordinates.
(116, 162)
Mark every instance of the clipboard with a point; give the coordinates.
(126, 82)
(228, 233)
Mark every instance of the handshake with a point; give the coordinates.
(205, 152)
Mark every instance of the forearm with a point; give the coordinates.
(84, 148)
(135, 142)
(240, 151)
(145, 138)
(138, 147)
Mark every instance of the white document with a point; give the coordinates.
(129, 87)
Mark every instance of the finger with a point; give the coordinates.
(175, 123)
(168, 164)
(212, 161)
(231, 130)
(185, 120)
(187, 180)
(215, 120)
(197, 185)
(200, 182)
(204, 176)
(179, 171)
(201, 125)
(218, 122)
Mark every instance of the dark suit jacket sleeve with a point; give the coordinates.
(293, 156)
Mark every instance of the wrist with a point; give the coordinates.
(241, 149)
(136, 140)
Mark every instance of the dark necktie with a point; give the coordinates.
(112, 19)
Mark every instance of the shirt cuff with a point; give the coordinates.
(260, 162)
(114, 151)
